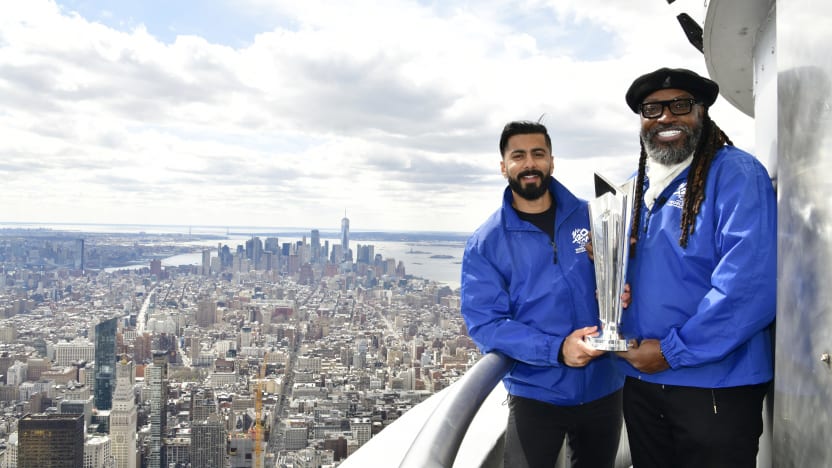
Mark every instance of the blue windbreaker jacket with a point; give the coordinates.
(711, 304)
(522, 295)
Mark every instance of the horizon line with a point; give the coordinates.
(228, 228)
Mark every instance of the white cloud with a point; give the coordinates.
(390, 110)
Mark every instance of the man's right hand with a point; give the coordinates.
(576, 351)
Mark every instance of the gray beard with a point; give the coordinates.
(670, 155)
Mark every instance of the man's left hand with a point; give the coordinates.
(645, 356)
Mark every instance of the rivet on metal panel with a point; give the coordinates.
(825, 358)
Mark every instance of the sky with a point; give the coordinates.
(292, 114)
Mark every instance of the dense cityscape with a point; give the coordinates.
(264, 354)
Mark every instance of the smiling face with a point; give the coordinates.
(527, 164)
(669, 139)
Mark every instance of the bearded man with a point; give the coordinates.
(703, 278)
(528, 292)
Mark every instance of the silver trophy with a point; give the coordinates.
(610, 217)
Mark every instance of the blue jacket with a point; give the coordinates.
(522, 296)
(710, 304)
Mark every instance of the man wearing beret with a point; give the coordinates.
(703, 277)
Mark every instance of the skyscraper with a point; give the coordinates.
(206, 312)
(208, 442)
(123, 417)
(79, 262)
(98, 451)
(206, 262)
(254, 250)
(156, 376)
(51, 440)
(11, 450)
(105, 361)
(316, 246)
(203, 404)
(345, 236)
(156, 267)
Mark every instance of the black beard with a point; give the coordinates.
(530, 192)
(670, 154)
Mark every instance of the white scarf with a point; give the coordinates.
(660, 177)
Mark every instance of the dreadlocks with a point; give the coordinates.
(711, 140)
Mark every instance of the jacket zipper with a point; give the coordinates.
(713, 399)
(555, 238)
(656, 206)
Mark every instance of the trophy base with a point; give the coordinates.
(608, 343)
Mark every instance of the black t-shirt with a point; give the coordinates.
(544, 221)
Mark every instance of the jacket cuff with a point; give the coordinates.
(670, 349)
(556, 352)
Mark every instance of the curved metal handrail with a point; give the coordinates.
(438, 441)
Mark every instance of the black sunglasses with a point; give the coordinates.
(653, 110)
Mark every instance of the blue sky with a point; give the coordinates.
(278, 113)
(219, 22)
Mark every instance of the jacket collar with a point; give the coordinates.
(565, 204)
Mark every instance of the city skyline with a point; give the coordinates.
(258, 339)
(282, 113)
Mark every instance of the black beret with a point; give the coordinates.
(701, 88)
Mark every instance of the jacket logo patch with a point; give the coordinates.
(677, 200)
(580, 237)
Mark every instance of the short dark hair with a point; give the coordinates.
(523, 127)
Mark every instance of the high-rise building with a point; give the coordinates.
(241, 451)
(51, 440)
(361, 429)
(272, 245)
(345, 236)
(208, 442)
(316, 246)
(98, 452)
(77, 350)
(254, 250)
(79, 406)
(105, 361)
(203, 404)
(156, 377)
(37, 366)
(156, 267)
(123, 416)
(365, 254)
(206, 312)
(226, 257)
(79, 261)
(337, 255)
(245, 336)
(178, 450)
(10, 459)
(293, 265)
(206, 262)
(17, 373)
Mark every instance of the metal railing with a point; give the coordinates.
(438, 441)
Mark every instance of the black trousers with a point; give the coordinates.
(535, 432)
(693, 427)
